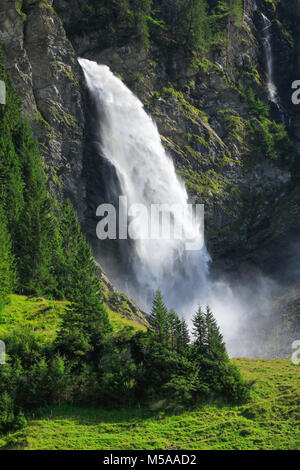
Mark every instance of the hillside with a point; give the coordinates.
(270, 421)
(43, 317)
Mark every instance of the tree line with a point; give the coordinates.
(89, 364)
(193, 25)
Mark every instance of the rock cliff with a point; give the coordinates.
(208, 125)
(213, 113)
(44, 68)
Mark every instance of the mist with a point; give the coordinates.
(244, 306)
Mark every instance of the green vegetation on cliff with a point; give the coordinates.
(193, 24)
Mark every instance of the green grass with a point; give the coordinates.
(44, 317)
(41, 315)
(269, 421)
(118, 322)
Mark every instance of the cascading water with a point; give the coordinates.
(272, 88)
(131, 144)
(130, 140)
(273, 92)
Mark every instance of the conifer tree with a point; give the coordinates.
(200, 330)
(189, 23)
(7, 268)
(215, 343)
(11, 182)
(86, 323)
(184, 335)
(77, 272)
(172, 328)
(36, 239)
(159, 318)
(26, 201)
(84, 328)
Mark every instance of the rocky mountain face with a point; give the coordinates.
(203, 118)
(44, 68)
(210, 111)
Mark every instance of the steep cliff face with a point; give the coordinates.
(213, 127)
(44, 68)
(45, 71)
(206, 119)
(213, 110)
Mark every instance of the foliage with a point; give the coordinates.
(52, 257)
(269, 139)
(117, 20)
(169, 366)
(237, 10)
(26, 201)
(268, 421)
(84, 362)
(192, 25)
(7, 269)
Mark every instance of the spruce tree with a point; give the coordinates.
(159, 318)
(7, 268)
(215, 342)
(189, 23)
(36, 239)
(172, 328)
(83, 330)
(184, 335)
(200, 330)
(11, 181)
(26, 201)
(86, 323)
(77, 271)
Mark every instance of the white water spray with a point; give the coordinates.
(131, 142)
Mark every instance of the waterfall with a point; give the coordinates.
(273, 92)
(272, 88)
(129, 139)
(131, 144)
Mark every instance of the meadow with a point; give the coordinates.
(269, 421)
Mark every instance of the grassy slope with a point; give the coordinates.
(270, 421)
(44, 316)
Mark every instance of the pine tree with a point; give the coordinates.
(172, 328)
(200, 330)
(36, 238)
(159, 318)
(86, 324)
(77, 271)
(7, 268)
(184, 335)
(215, 343)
